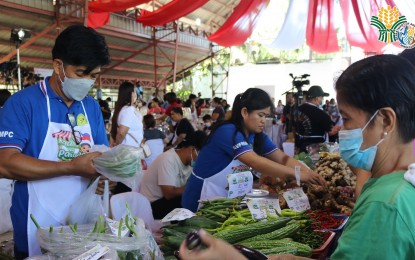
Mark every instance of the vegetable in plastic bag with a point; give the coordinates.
(121, 163)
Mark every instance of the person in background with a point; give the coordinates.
(4, 95)
(182, 128)
(105, 110)
(225, 105)
(376, 136)
(218, 113)
(154, 107)
(279, 109)
(313, 124)
(287, 112)
(46, 123)
(326, 105)
(127, 122)
(171, 98)
(165, 180)
(207, 122)
(150, 132)
(200, 104)
(240, 142)
(191, 102)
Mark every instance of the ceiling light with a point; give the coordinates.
(197, 22)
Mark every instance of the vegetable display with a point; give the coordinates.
(291, 232)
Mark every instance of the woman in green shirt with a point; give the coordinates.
(376, 98)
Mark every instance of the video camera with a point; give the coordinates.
(298, 82)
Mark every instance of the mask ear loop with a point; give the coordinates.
(371, 118)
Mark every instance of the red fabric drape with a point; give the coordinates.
(101, 6)
(96, 20)
(169, 12)
(321, 34)
(356, 16)
(240, 24)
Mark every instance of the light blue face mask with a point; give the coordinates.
(76, 89)
(350, 142)
(192, 162)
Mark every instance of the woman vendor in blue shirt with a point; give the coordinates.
(241, 141)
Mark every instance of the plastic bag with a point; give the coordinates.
(6, 187)
(89, 206)
(121, 163)
(62, 243)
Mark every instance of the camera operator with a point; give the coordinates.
(311, 122)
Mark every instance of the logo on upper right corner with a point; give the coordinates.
(394, 27)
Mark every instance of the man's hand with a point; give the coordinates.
(84, 166)
(101, 185)
(216, 250)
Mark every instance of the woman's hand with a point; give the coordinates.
(312, 177)
(216, 250)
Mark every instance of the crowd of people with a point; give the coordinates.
(46, 131)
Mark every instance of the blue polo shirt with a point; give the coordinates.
(224, 145)
(24, 125)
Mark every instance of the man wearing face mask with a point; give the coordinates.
(166, 177)
(312, 124)
(41, 132)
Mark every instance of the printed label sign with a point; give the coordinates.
(296, 199)
(178, 214)
(240, 184)
(259, 207)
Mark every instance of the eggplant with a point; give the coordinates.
(250, 253)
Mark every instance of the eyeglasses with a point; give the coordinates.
(76, 134)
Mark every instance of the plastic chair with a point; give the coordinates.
(139, 205)
(156, 148)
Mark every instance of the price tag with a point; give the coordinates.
(94, 253)
(114, 226)
(259, 207)
(296, 199)
(240, 183)
(178, 214)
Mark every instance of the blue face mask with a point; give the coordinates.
(350, 142)
(192, 162)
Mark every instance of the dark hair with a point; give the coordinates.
(206, 117)
(170, 97)
(192, 96)
(252, 99)
(79, 45)
(382, 81)
(4, 95)
(200, 102)
(217, 100)
(149, 121)
(177, 110)
(196, 139)
(108, 99)
(124, 98)
(408, 54)
(156, 100)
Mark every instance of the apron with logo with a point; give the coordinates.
(215, 185)
(50, 199)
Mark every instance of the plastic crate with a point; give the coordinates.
(339, 230)
(322, 252)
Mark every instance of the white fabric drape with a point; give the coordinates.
(293, 31)
(407, 8)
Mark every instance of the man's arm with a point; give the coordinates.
(171, 192)
(15, 165)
